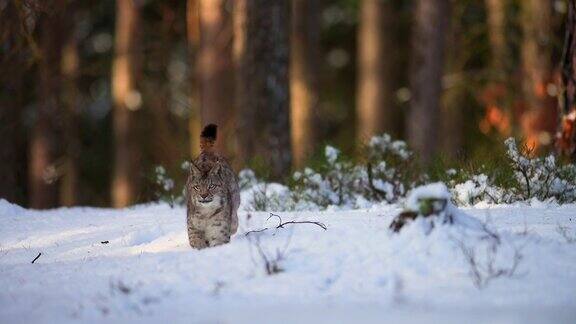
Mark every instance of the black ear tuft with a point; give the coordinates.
(209, 132)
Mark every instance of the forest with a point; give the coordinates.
(95, 95)
(288, 161)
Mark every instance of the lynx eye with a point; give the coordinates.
(196, 188)
(212, 186)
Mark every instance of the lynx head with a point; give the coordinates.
(205, 186)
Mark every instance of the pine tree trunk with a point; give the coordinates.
(47, 134)
(70, 169)
(453, 100)
(126, 101)
(262, 53)
(166, 129)
(566, 138)
(245, 101)
(10, 142)
(13, 157)
(304, 74)
(377, 64)
(426, 69)
(193, 32)
(538, 122)
(496, 95)
(496, 22)
(215, 71)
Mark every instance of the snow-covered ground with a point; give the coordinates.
(355, 271)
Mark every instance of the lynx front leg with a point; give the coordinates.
(196, 238)
(218, 233)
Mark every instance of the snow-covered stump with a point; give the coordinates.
(432, 204)
(486, 253)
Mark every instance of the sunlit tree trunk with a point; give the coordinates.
(47, 134)
(566, 138)
(496, 23)
(262, 53)
(375, 102)
(70, 168)
(215, 71)
(304, 74)
(538, 122)
(193, 31)
(126, 101)
(426, 68)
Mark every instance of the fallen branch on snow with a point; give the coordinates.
(282, 224)
(36, 258)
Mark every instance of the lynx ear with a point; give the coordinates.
(194, 169)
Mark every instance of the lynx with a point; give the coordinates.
(212, 194)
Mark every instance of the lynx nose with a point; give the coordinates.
(204, 195)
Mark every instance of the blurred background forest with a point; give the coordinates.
(95, 94)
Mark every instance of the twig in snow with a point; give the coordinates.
(105, 242)
(563, 231)
(36, 258)
(270, 260)
(484, 270)
(282, 224)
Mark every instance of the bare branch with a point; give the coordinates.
(563, 231)
(281, 224)
(36, 258)
(482, 271)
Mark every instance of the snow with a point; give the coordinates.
(355, 271)
(331, 154)
(436, 190)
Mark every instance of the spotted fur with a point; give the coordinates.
(213, 197)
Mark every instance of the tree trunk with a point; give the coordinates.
(70, 169)
(426, 69)
(304, 74)
(127, 101)
(10, 142)
(376, 70)
(496, 22)
(47, 134)
(246, 110)
(566, 138)
(193, 31)
(262, 53)
(496, 95)
(12, 60)
(166, 129)
(538, 122)
(215, 71)
(453, 99)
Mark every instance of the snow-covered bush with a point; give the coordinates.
(257, 195)
(165, 188)
(384, 173)
(333, 184)
(429, 206)
(390, 170)
(541, 178)
(480, 188)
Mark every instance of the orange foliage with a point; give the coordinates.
(496, 117)
(565, 139)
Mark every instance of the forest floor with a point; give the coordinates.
(135, 265)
